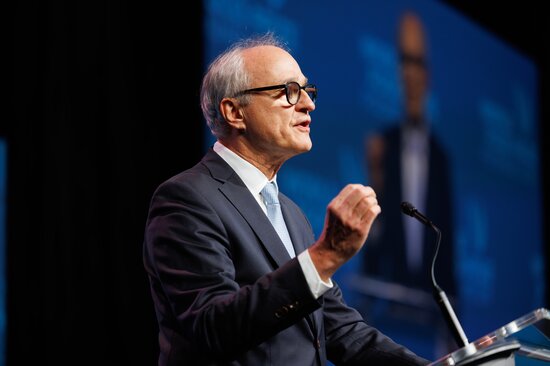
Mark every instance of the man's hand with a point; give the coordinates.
(347, 224)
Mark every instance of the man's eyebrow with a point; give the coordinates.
(295, 80)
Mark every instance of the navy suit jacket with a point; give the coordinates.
(226, 292)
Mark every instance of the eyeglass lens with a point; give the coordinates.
(293, 90)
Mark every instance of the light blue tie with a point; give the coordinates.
(275, 215)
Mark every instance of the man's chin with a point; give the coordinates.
(305, 148)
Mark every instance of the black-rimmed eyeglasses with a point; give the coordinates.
(292, 91)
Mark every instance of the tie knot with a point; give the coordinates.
(269, 193)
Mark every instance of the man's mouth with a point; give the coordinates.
(303, 125)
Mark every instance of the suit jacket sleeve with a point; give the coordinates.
(353, 342)
(190, 255)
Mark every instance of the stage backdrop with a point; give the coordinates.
(483, 108)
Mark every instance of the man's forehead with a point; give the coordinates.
(272, 64)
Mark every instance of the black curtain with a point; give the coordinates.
(106, 106)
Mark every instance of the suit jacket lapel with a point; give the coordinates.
(234, 189)
(238, 194)
(293, 224)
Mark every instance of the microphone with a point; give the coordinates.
(439, 295)
(410, 210)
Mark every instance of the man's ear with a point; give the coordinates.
(231, 110)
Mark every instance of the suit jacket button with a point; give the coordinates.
(281, 312)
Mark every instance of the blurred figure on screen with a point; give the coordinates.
(407, 163)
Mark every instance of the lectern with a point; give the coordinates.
(524, 341)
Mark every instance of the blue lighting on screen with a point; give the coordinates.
(483, 105)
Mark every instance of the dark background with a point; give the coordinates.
(104, 106)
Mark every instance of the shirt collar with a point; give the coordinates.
(252, 177)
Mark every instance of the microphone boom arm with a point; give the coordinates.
(438, 293)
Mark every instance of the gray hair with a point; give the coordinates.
(226, 77)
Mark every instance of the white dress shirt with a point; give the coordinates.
(414, 170)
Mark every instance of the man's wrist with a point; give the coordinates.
(316, 284)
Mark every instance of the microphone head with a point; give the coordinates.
(407, 208)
